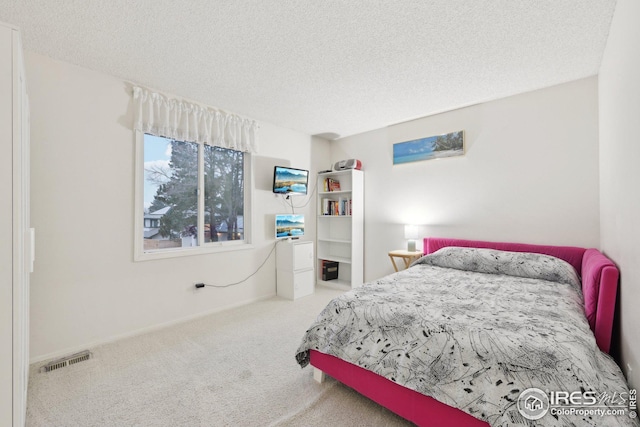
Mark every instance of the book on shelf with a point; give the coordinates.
(331, 184)
(328, 207)
(340, 207)
(329, 270)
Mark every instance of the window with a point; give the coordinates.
(192, 177)
(223, 194)
(193, 197)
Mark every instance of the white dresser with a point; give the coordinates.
(294, 269)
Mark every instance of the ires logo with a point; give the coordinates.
(534, 403)
(576, 398)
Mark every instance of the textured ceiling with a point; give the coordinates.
(332, 66)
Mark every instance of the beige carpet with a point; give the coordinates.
(235, 368)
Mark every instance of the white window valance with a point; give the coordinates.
(160, 115)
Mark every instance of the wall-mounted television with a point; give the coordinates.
(289, 225)
(290, 181)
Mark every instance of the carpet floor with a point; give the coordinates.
(233, 368)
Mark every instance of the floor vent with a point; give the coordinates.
(65, 361)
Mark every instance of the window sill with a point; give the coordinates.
(211, 248)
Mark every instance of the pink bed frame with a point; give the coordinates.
(599, 285)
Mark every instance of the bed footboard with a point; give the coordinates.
(411, 405)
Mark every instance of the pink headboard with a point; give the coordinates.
(599, 277)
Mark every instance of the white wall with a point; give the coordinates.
(530, 174)
(86, 288)
(619, 92)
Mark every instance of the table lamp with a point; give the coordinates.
(411, 233)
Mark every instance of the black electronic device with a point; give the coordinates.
(329, 270)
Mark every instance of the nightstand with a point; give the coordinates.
(407, 256)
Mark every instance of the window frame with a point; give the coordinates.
(204, 248)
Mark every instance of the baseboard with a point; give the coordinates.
(72, 350)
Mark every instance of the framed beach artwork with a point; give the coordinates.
(432, 147)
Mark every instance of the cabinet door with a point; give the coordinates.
(303, 283)
(6, 229)
(303, 256)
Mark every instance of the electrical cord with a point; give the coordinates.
(289, 201)
(202, 285)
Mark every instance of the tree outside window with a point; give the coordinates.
(171, 188)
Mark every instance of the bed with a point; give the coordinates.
(456, 363)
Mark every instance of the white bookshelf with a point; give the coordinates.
(340, 238)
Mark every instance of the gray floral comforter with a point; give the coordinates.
(474, 328)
